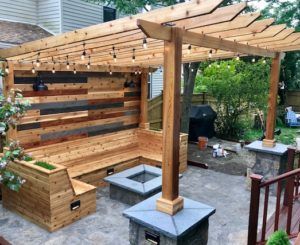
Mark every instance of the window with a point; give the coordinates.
(108, 14)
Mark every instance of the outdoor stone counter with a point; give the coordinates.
(149, 226)
(268, 162)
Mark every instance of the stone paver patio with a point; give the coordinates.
(107, 226)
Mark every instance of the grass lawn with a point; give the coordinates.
(287, 135)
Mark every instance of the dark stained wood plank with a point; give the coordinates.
(54, 92)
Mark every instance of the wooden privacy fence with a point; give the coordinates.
(293, 99)
(155, 107)
(287, 211)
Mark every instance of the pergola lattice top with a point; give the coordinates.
(223, 32)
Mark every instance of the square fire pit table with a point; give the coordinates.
(135, 184)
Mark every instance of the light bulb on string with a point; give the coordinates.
(74, 71)
(89, 63)
(110, 72)
(83, 53)
(68, 64)
(140, 72)
(135, 72)
(190, 49)
(38, 63)
(253, 60)
(145, 46)
(33, 69)
(210, 53)
(264, 61)
(238, 57)
(114, 54)
(133, 55)
(7, 69)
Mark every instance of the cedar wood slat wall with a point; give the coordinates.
(76, 106)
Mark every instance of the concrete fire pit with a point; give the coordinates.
(136, 184)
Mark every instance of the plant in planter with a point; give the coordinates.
(12, 152)
(279, 238)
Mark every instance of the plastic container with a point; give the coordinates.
(202, 143)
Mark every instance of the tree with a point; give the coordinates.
(287, 11)
(133, 6)
(237, 86)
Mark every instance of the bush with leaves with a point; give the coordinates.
(279, 238)
(238, 87)
(12, 152)
(12, 109)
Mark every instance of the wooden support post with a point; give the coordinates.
(254, 208)
(170, 202)
(144, 102)
(269, 141)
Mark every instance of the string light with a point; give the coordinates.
(110, 72)
(133, 55)
(32, 70)
(264, 61)
(7, 69)
(228, 66)
(38, 63)
(209, 65)
(83, 53)
(114, 54)
(74, 71)
(145, 46)
(135, 72)
(210, 53)
(53, 69)
(89, 63)
(68, 64)
(253, 60)
(140, 72)
(190, 49)
(238, 57)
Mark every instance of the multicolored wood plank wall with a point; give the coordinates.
(76, 106)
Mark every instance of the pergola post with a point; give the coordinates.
(170, 202)
(269, 140)
(144, 102)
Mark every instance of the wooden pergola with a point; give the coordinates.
(198, 30)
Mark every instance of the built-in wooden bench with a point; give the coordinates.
(96, 157)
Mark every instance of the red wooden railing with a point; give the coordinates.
(287, 210)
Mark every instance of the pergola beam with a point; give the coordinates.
(158, 31)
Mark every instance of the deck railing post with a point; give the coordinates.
(289, 188)
(254, 208)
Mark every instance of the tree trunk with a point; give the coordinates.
(190, 72)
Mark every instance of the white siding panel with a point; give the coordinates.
(156, 83)
(19, 11)
(49, 15)
(77, 14)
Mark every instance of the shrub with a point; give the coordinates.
(279, 238)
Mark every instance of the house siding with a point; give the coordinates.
(156, 83)
(24, 11)
(77, 14)
(49, 15)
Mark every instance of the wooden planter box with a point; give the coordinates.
(49, 198)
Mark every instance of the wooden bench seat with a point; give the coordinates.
(90, 159)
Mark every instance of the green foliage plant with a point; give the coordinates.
(238, 87)
(12, 109)
(279, 238)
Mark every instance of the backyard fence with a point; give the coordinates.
(293, 99)
(155, 107)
